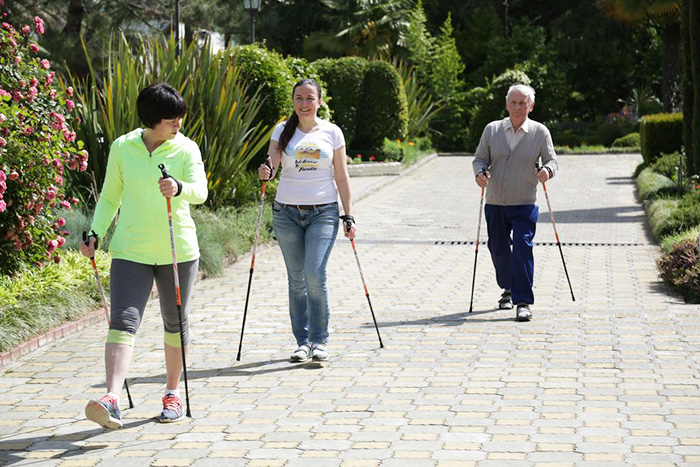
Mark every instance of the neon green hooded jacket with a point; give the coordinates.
(142, 234)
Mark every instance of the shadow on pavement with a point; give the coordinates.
(614, 215)
(12, 446)
(455, 319)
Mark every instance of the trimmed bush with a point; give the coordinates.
(686, 216)
(266, 70)
(384, 110)
(651, 185)
(659, 214)
(344, 78)
(680, 267)
(631, 140)
(661, 133)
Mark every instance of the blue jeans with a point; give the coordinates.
(512, 257)
(306, 238)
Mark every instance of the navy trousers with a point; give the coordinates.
(511, 232)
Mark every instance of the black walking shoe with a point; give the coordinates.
(505, 302)
(523, 312)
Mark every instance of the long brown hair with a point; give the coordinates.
(292, 122)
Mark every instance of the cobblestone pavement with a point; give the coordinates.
(610, 379)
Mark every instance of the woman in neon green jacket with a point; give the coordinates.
(140, 247)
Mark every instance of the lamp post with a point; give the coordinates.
(177, 28)
(252, 7)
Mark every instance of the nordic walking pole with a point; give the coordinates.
(177, 292)
(104, 301)
(478, 231)
(252, 260)
(556, 235)
(348, 223)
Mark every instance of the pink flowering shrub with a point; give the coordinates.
(37, 144)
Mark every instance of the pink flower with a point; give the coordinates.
(3, 177)
(4, 94)
(53, 244)
(70, 91)
(34, 48)
(70, 104)
(3, 142)
(28, 130)
(39, 25)
(75, 201)
(60, 241)
(83, 166)
(32, 92)
(26, 30)
(13, 175)
(372, 158)
(49, 79)
(7, 26)
(18, 60)
(3, 187)
(45, 64)
(65, 204)
(34, 82)
(3, 206)
(61, 221)
(59, 180)
(51, 193)
(16, 95)
(52, 94)
(23, 83)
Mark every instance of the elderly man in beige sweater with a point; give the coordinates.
(506, 162)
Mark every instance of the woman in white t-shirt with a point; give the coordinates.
(305, 215)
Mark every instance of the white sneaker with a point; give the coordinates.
(319, 352)
(523, 312)
(302, 354)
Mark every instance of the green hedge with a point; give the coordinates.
(651, 184)
(631, 140)
(344, 78)
(267, 70)
(661, 133)
(384, 110)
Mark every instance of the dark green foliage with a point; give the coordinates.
(661, 133)
(630, 140)
(383, 111)
(686, 216)
(667, 165)
(680, 267)
(267, 70)
(344, 78)
(493, 105)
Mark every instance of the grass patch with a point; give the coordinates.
(226, 234)
(651, 184)
(35, 301)
(690, 235)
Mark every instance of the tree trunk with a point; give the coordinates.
(72, 32)
(687, 88)
(694, 37)
(671, 39)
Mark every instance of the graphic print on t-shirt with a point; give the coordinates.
(307, 156)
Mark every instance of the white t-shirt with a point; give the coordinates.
(307, 165)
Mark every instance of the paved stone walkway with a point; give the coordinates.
(610, 379)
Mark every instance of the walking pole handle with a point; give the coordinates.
(163, 171)
(86, 239)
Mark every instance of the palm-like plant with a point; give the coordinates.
(367, 28)
(667, 13)
(421, 106)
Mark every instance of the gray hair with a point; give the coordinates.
(523, 88)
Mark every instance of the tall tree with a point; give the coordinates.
(667, 13)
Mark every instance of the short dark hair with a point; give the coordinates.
(159, 101)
